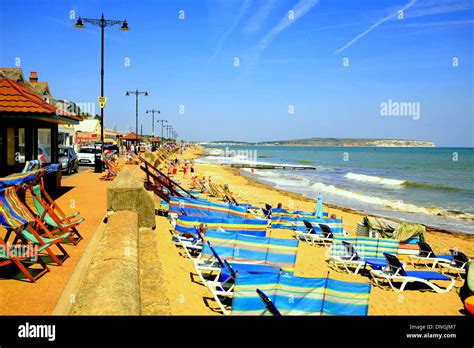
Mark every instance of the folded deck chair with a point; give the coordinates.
(395, 272)
(53, 216)
(458, 263)
(19, 254)
(351, 259)
(427, 256)
(312, 237)
(18, 219)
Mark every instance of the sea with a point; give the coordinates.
(431, 186)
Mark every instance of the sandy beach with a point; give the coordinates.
(188, 296)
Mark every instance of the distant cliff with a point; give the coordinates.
(334, 142)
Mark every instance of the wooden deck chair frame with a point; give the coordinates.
(9, 257)
(30, 234)
(57, 224)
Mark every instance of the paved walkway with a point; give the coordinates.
(85, 193)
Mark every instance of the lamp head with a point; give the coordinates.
(124, 26)
(127, 94)
(79, 24)
(146, 94)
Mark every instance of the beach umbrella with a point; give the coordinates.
(319, 207)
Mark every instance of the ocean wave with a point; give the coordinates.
(391, 204)
(374, 179)
(397, 183)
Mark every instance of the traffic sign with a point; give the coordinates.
(102, 101)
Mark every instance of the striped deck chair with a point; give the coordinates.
(49, 212)
(31, 166)
(359, 252)
(20, 254)
(18, 218)
(299, 296)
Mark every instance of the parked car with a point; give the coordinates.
(68, 159)
(86, 155)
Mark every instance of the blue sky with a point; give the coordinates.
(286, 58)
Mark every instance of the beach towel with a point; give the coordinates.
(293, 295)
(241, 248)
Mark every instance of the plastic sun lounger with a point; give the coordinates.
(427, 256)
(458, 263)
(352, 260)
(52, 218)
(395, 272)
(269, 305)
(224, 282)
(313, 238)
(191, 246)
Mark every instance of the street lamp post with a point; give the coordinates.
(162, 126)
(102, 23)
(152, 111)
(136, 93)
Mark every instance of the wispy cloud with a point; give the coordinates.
(243, 9)
(441, 24)
(299, 11)
(258, 19)
(436, 7)
(301, 8)
(373, 26)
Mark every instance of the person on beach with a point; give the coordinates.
(279, 206)
(185, 170)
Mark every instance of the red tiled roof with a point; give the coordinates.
(131, 136)
(16, 98)
(156, 140)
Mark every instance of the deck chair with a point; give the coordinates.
(31, 166)
(351, 259)
(427, 256)
(53, 216)
(27, 228)
(312, 237)
(18, 256)
(395, 272)
(269, 305)
(112, 170)
(457, 265)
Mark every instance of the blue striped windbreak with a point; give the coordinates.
(300, 296)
